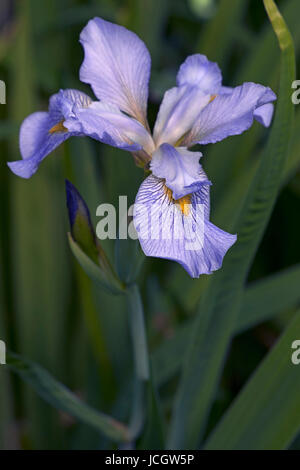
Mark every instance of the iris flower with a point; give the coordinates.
(198, 110)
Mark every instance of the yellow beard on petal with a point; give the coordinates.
(183, 203)
(58, 128)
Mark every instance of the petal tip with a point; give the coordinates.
(72, 201)
(22, 168)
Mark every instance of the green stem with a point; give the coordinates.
(141, 358)
(146, 411)
(138, 333)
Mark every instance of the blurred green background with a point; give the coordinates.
(50, 312)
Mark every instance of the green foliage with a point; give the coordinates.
(268, 422)
(62, 399)
(102, 273)
(154, 355)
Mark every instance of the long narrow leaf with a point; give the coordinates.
(266, 298)
(61, 398)
(261, 301)
(266, 414)
(39, 261)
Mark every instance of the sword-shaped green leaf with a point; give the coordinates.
(262, 301)
(63, 399)
(265, 415)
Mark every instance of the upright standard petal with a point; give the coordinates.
(108, 124)
(42, 132)
(177, 113)
(179, 231)
(117, 66)
(198, 71)
(229, 114)
(179, 168)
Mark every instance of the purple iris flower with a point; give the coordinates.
(199, 110)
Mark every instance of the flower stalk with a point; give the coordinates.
(138, 333)
(141, 358)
